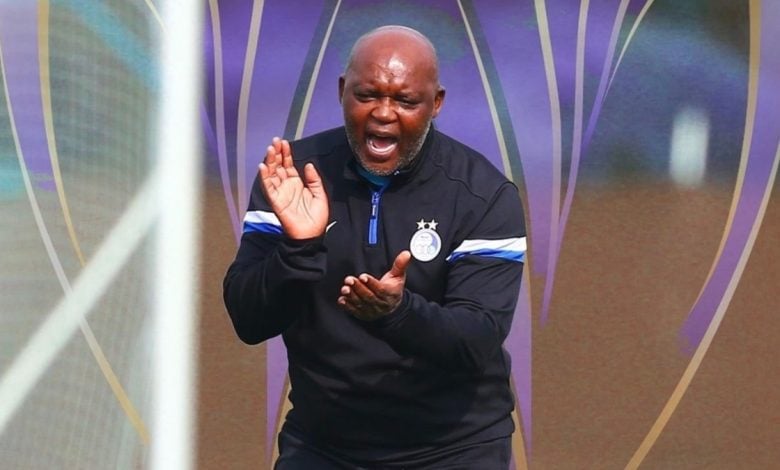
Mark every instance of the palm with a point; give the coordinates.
(369, 298)
(300, 203)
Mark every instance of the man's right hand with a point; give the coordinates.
(300, 204)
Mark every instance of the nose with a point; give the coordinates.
(384, 110)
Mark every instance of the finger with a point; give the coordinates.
(268, 180)
(289, 167)
(271, 159)
(262, 171)
(287, 158)
(362, 290)
(375, 286)
(384, 290)
(313, 181)
(347, 305)
(281, 173)
(286, 153)
(277, 143)
(400, 264)
(346, 290)
(270, 155)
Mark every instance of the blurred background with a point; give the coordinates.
(644, 138)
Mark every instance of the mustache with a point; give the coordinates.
(404, 160)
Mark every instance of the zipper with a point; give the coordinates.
(373, 220)
(376, 188)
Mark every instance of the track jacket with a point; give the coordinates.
(433, 373)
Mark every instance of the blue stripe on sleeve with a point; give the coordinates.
(516, 256)
(262, 227)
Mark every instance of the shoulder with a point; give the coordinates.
(462, 165)
(319, 144)
(487, 202)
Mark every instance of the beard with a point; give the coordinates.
(403, 160)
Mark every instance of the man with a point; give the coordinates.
(389, 257)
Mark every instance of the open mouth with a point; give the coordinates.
(381, 146)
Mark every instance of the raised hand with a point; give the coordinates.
(369, 298)
(300, 204)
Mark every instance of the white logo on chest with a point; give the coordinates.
(425, 243)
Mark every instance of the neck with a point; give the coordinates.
(376, 180)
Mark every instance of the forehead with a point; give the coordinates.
(393, 58)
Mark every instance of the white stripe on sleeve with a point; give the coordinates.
(512, 249)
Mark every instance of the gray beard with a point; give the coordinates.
(403, 161)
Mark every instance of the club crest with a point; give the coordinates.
(425, 243)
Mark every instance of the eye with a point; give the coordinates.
(407, 103)
(363, 96)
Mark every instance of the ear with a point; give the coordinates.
(341, 88)
(438, 101)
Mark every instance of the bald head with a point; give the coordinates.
(389, 93)
(396, 38)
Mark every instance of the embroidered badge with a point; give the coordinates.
(425, 243)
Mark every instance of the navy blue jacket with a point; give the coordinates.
(431, 374)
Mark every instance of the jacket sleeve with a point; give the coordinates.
(262, 289)
(467, 329)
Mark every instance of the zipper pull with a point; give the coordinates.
(374, 204)
(372, 221)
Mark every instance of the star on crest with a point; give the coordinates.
(423, 225)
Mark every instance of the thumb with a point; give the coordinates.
(400, 264)
(313, 181)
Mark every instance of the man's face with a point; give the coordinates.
(389, 96)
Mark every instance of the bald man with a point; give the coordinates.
(389, 257)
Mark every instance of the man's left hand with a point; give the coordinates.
(369, 298)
